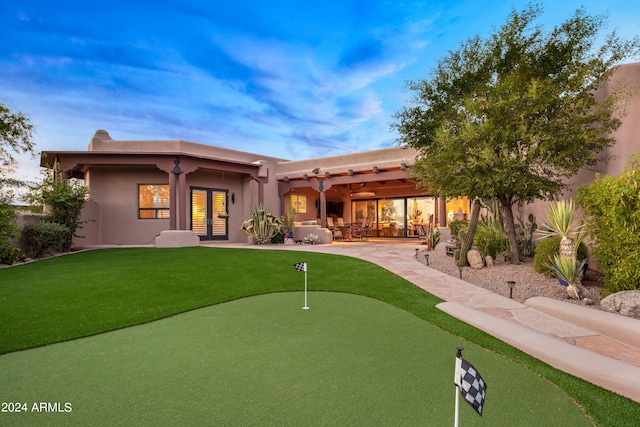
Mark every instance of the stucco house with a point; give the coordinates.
(142, 188)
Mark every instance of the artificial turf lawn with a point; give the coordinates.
(92, 292)
(348, 361)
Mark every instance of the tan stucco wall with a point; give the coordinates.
(114, 207)
(113, 210)
(627, 140)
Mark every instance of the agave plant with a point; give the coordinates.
(312, 239)
(262, 226)
(564, 220)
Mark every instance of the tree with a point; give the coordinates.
(512, 116)
(16, 133)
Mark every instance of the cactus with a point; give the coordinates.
(466, 236)
(524, 234)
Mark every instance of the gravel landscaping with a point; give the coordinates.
(529, 283)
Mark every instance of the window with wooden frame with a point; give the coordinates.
(153, 201)
(299, 203)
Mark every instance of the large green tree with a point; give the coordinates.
(16, 136)
(511, 116)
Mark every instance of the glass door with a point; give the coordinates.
(209, 215)
(391, 217)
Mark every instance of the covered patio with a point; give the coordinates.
(363, 195)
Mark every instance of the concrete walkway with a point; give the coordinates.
(555, 332)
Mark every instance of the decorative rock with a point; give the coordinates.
(626, 303)
(587, 301)
(488, 260)
(474, 257)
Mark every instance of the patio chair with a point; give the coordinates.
(357, 229)
(367, 225)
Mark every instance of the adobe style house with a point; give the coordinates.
(142, 188)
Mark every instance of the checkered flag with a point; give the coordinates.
(471, 385)
(300, 266)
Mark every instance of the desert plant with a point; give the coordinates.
(564, 220)
(262, 226)
(547, 249)
(456, 226)
(524, 234)
(491, 238)
(433, 235)
(312, 239)
(569, 269)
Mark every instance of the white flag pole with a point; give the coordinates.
(455, 419)
(305, 286)
(457, 383)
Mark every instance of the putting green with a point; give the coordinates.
(348, 360)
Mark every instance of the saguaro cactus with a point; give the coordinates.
(466, 236)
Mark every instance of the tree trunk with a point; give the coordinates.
(511, 230)
(566, 247)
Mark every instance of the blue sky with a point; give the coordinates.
(287, 79)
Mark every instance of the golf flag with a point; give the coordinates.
(302, 266)
(470, 384)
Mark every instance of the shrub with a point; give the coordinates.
(65, 198)
(491, 239)
(546, 250)
(9, 253)
(613, 203)
(41, 237)
(456, 226)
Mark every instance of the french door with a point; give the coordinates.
(209, 215)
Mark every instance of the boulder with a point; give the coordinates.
(626, 303)
(475, 259)
(488, 260)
